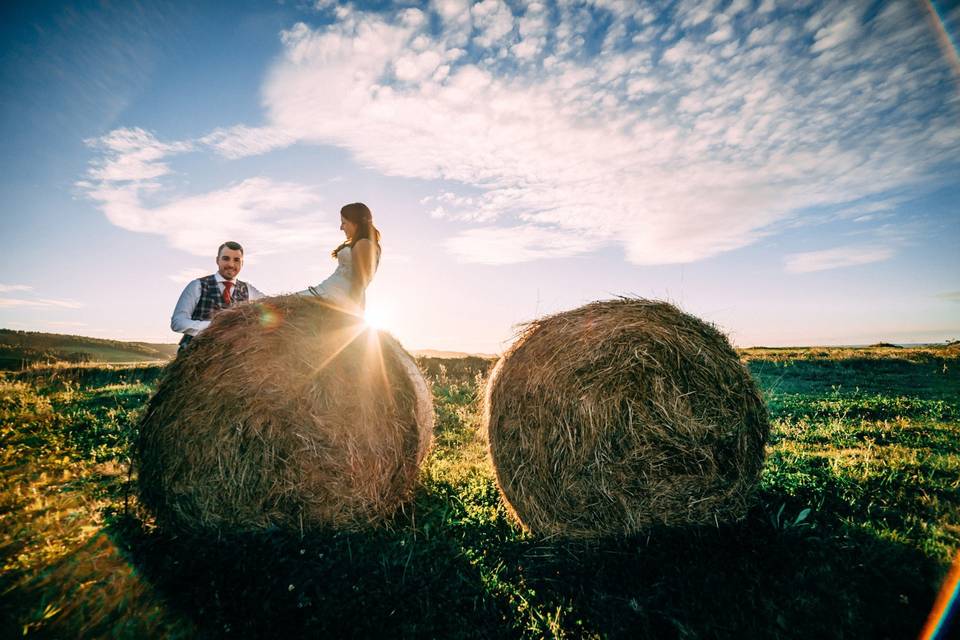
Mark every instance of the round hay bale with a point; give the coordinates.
(620, 415)
(285, 413)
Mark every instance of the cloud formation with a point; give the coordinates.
(677, 133)
(126, 177)
(32, 301)
(9, 288)
(38, 303)
(845, 256)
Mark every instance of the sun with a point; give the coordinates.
(375, 317)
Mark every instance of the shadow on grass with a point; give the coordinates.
(759, 579)
(384, 583)
(749, 581)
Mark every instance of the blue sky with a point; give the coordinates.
(787, 170)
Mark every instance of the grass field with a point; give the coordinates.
(857, 518)
(24, 349)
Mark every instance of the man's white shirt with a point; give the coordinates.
(182, 322)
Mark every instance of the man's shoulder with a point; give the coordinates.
(196, 282)
(245, 284)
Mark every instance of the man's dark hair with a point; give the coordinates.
(230, 244)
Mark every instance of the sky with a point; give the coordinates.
(787, 170)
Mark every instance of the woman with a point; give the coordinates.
(357, 260)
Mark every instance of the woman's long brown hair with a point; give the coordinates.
(360, 215)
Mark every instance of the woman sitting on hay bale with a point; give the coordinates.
(357, 260)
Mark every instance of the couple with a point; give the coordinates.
(357, 259)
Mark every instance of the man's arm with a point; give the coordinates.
(181, 321)
(254, 293)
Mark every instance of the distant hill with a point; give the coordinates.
(433, 353)
(19, 349)
(879, 351)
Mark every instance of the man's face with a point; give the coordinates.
(229, 263)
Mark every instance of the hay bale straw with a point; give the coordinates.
(284, 413)
(621, 415)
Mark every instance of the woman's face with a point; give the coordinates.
(349, 228)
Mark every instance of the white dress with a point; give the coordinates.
(336, 288)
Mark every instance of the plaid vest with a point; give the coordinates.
(211, 300)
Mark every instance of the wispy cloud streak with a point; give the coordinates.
(39, 303)
(10, 288)
(836, 258)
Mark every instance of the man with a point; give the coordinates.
(206, 296)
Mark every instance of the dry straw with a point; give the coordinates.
(284, 413)
(620, 415)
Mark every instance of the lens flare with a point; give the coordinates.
(270, 317)
(943, 37)
(944, 610)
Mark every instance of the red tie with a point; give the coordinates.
(227, 285)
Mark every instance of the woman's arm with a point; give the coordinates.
(364, 259)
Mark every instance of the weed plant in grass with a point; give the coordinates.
(859, 515)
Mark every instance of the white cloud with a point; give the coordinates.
(722, 34)
(737, 6)
(412, 17)
(694, 12)
(132, 155)
(493, 20)
(533, 28)
(952, 296)
(10, 288)
(453, 11)
(866, 211)
(241, 141)
(264, 214)
(838, 257)
(499, 245)
(843, 28)
(417, 67)
(675, 151)
(191, 273)
(27, 303)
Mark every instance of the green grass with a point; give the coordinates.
(858, 515)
